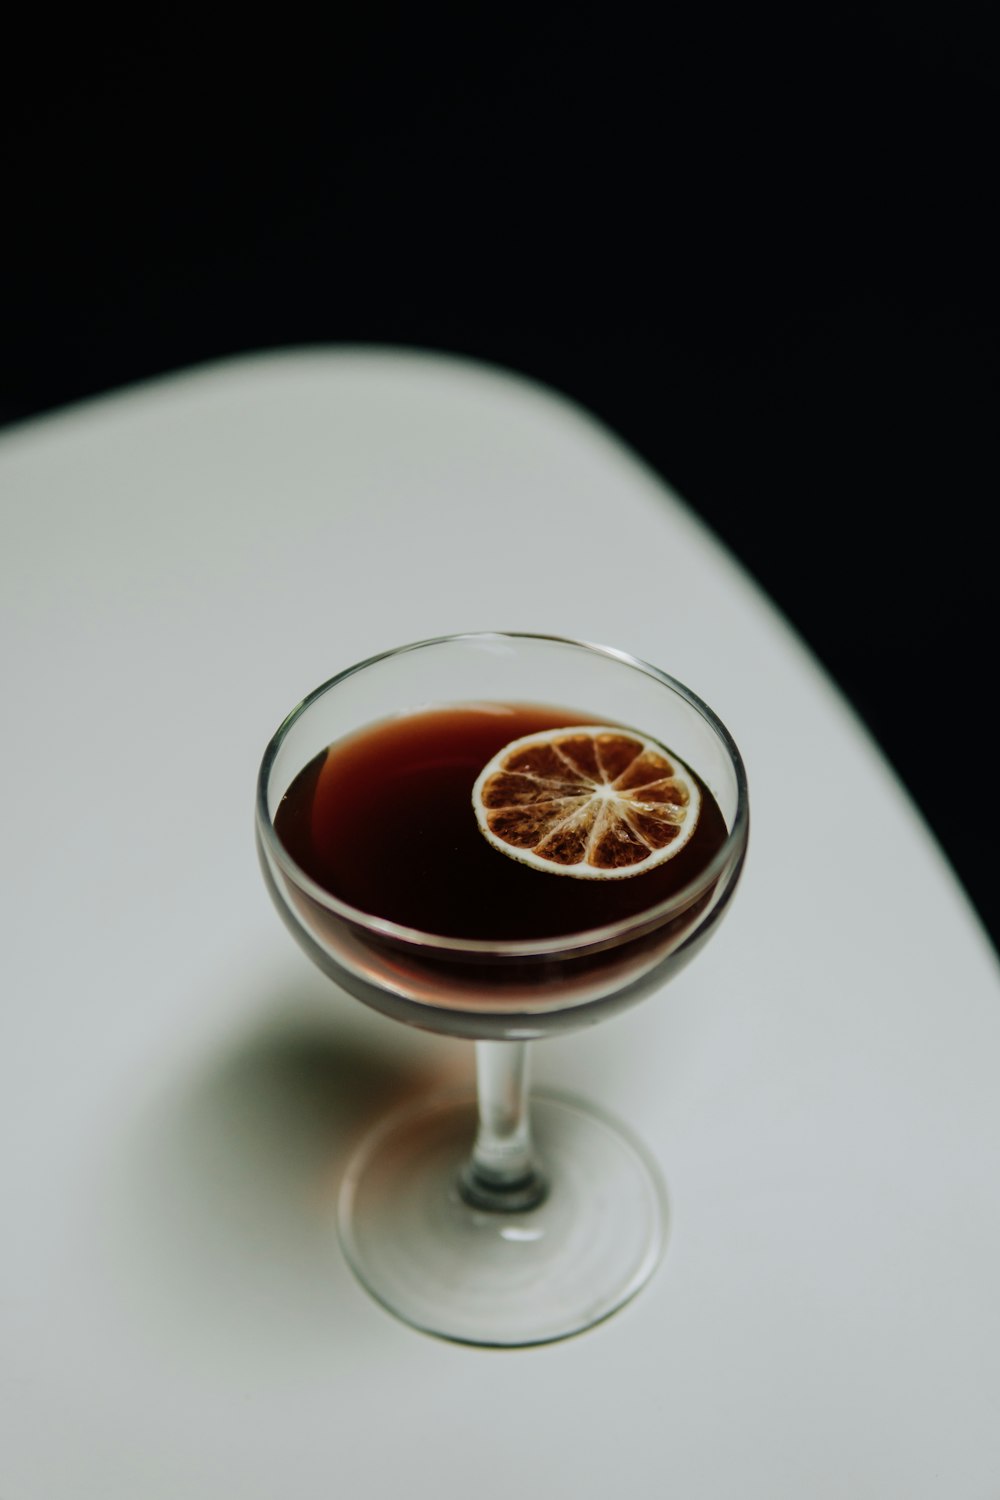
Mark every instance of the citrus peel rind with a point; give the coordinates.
(591, 801)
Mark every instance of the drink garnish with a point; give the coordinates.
(592, 801)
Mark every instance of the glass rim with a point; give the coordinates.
(564, 945)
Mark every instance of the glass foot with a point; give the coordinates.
(502, 1278)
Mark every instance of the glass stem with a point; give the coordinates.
(503, 1174)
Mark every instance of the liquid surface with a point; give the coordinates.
(384, 820)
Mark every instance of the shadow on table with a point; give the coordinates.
(224, 1215)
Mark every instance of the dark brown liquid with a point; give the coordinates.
(384, 821)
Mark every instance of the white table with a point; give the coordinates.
(180, 563)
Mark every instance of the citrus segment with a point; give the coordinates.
(592, 801)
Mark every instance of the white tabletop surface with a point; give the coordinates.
(180, 563)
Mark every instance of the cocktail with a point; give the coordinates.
(502, 837)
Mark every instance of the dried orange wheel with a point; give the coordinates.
(591, 801)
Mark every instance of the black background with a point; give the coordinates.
(759, 245)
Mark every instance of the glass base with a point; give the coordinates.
(504, 1279)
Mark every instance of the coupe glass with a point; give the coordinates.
(496, 1219)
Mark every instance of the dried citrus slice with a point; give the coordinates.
(592, 801)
